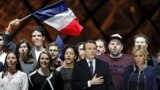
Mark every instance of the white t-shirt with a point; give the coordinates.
(38, 53)
(2, 57)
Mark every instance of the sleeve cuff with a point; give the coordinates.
(89, 83)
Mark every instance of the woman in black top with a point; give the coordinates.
(38, 77)
(70, 56)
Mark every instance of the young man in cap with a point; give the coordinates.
(117, 60)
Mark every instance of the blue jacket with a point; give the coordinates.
(139, 80)
(10, 45)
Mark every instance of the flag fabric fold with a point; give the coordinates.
(60, 17)
(60, 43)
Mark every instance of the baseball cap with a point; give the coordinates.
(116, 36)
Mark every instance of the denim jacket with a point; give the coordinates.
(135, 79)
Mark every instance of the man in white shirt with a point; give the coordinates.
(38, 37)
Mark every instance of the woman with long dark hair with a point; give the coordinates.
(26, 60)
(12, 78)
(70, 56)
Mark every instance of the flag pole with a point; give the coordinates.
(25, 17)
(39, 9)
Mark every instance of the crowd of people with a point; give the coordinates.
(85, 66)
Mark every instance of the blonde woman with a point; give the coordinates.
(140, 76)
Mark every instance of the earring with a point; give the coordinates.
(146, 61)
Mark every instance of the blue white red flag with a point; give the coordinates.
(60, 17)
(60, 42)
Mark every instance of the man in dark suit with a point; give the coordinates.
(91, 73)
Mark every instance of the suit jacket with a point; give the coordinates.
(33, 53)
(1, 66)
(81, 75)
(53, 82)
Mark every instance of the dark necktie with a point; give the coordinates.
(91, 67)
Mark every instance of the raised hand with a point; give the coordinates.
(13, 24)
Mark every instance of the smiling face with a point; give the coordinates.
(140, 41)
(44, 60)
(69, 55)
(37, 39)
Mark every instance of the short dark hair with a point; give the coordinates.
(39, 29)
(143, 36)
(18, 46)
(53, 44)
(80, 43)
(90, 41)
(101, 39)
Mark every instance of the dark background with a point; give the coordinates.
(100, 19)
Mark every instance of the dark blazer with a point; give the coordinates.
(81, 75)
(1, 66)
(146, 77)
(53, 82)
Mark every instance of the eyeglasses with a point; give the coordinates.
(53, 50)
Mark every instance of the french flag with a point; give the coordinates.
(60, 42)
(60, 17)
